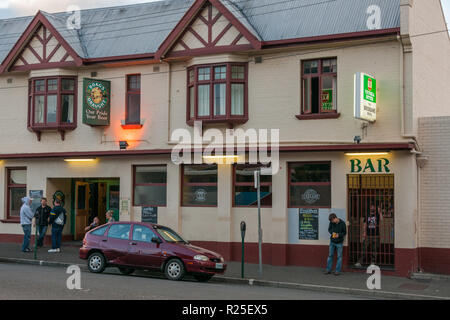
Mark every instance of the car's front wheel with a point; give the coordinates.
(96, 262)
(126, 271)
(203, 277)
(174, 270)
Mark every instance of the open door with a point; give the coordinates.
(81, 208)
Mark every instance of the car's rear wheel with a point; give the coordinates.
(203, 277)
(174, 270)
(96, 262)
(126, 271)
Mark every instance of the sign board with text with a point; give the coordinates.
(150, 214)
(365, 103)
(96, 102)
(308, 224)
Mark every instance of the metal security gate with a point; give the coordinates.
(371, 220)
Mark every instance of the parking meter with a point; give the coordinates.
(243, 229)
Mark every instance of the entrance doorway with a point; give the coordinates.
(93, 198)
(371, 220)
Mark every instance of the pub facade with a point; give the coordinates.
(89, 115)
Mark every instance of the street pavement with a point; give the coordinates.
(30, 282)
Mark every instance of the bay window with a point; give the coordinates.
(52, 104)
(217, 93)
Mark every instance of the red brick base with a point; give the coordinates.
(18, 238)
(435, 260)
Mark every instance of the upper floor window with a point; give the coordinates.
(319, 87)
(52, 102)
(217, 93)
(133, 103)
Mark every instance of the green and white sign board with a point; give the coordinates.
(96, 102)
(365, 104)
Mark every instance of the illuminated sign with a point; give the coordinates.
(96, 102)
(365, 103)
(370, 166)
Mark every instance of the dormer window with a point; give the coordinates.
(52, 104)
(217, 93)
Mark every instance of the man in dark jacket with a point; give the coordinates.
(58, 218)
(338, 231)
(42, 216)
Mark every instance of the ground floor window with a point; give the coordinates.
(371, 219)
(199, 185)
(16, 190)
(150, 186)
(245, 193)
(310, 185)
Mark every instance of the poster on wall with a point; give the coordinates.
(125, 207)
(308, 224)
(96, 102)
(36, 196)
(150, 214)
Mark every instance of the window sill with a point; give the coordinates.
(10, 221)
(61, 128)
(331, 115)
(132, 126)
(230, 121)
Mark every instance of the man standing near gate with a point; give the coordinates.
(42, 216)
(338, 231)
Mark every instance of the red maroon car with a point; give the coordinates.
(132, 245)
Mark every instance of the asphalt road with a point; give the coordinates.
(36, 282)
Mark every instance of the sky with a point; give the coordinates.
(17, 8)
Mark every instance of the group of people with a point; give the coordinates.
(370, 238)
(45, 216)
(42, 218)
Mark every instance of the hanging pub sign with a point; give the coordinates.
(150, 214)
(308, 224)
(365, 103)
(96, 102)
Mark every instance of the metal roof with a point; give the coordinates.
(141, 28)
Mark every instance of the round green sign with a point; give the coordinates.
(97, 96)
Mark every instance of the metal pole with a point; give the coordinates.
(242, 260)
(35, 240)
(259, 222)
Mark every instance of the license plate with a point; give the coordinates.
(219, 265)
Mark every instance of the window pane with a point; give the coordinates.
(119, 231)
(39, 86)
(220, 91)
(328, 93)
(81, 197)
(238, 72)
(200, 195)
(237, 99)
(220, 73)
(51, 108)
(68, 84)
(203, 100)
(18, 177)
(329, 66)
(310, 67)
(150, 195)
(99, 231)
(134, 109)
(52, 84)
(67, 102)
(134, 83)
(244, 173)
(310, 196)
(204, 74)
(191, 76)
(248, 196)
(307, 95)
(192, 101)
(203, 173)
(39, 109)
(143, 234)
(314, 172)
(314, 95)
(151, 174)
(15, 200)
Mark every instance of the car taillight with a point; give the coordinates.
(84, 242)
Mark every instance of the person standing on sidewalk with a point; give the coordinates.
(58, 218)
(26, 217)
(338, 231)
(42, 216)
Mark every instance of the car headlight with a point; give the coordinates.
(200, 257)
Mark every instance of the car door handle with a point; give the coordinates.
(133, 243)
(104, 240)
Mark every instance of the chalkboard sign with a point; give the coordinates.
(36, 196)
(150, 214)
(309, 224)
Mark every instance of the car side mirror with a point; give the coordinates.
(156, 240)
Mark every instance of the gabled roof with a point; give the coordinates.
(132, 30)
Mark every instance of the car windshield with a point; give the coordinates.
(169, 235)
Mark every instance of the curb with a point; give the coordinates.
(429, 276)
(262, 283)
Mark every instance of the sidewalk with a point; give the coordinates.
(304, 278)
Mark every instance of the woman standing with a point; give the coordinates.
(109, 216)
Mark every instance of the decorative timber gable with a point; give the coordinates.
(208, 27)
(40, 47)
